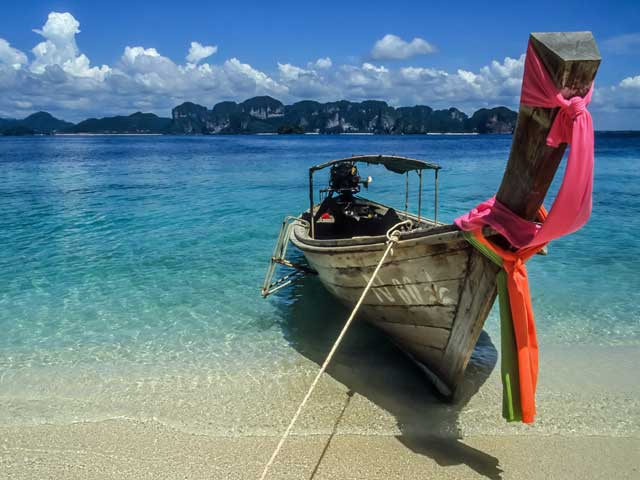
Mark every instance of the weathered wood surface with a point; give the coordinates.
(405, 292)
(420, 291)
(414, 299)
(476, 300)
(429, 268)
(428, 316)
(572, 60)
(419, 335)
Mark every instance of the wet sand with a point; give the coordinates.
(118, 449)
(368, 419)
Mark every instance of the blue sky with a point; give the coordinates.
(117, 57)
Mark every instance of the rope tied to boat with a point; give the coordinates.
(393, 236)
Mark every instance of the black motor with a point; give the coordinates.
(344, 179)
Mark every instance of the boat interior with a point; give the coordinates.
(342, 214)
(339, 217)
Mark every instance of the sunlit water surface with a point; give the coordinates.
(150, 251)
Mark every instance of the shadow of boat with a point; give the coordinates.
(368, 364)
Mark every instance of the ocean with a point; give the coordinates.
(130, 275)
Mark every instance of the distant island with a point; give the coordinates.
(265, 114)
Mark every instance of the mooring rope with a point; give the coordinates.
(392, 237)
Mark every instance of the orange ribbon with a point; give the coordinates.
(524, 326)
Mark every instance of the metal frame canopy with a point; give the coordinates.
(391, 162)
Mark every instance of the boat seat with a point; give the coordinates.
(345, 224)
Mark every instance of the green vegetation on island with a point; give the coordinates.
(265, 114)
(41, 123)
(136, 123)
(268, 115)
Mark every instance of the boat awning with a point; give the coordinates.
(391, 162)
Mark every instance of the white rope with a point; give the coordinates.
(393, 238)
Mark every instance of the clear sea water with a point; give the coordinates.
(120, 254)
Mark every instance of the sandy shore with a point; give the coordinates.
(370, 418)
(118, 449)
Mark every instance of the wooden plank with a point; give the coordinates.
(441, 269)
(444, 293)
(435, 274)
(478, 295)
(436, 314)
(432, 316)
(431, 358)
(415, 241)
(412, 284)
(572, 60)
(431, 337)
(370, 258)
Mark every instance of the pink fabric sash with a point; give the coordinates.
(572, 206)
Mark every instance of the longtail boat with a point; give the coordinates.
(433, 295)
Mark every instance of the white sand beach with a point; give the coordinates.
(365, 421)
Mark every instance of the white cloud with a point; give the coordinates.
(468, 77)
(60, 78)
(323, 63)
(250, 78)
(507, 69)
(313, 82)
(11, 56)
(369, 67)
(198, 52)
(291, 72)
(631, 82)
(132, 53)
(497, 83)
(614, 99)
(149, 70)
(144, 78)
(392, 47)
(418, 74)
(60, 48)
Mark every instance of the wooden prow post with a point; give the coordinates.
(572, 60)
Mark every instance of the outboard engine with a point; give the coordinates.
(344, 215)
(344, 179)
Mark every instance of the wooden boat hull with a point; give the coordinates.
(431, 298)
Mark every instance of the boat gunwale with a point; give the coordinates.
(445, 233)
(435, 235)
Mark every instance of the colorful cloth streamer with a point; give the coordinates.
(570, 211)
(519, 344)
(572, 206)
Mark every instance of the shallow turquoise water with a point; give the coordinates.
(153, 249)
